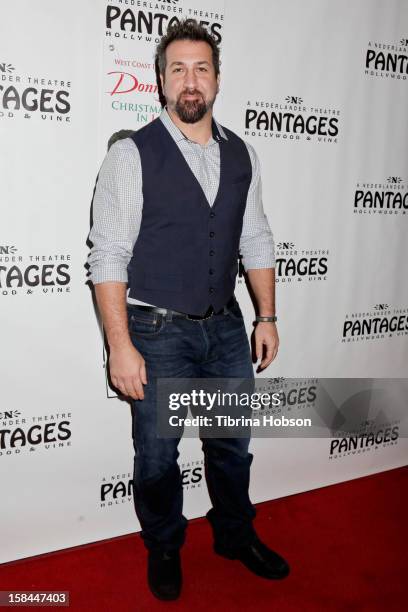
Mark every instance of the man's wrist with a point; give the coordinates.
(124, 345)
(266, 318)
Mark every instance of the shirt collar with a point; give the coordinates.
(218, 134)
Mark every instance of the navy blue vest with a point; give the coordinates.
(186, 254)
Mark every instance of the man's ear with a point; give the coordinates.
(162, 81)
(218, 83)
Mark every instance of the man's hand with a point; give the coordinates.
(128, 371)
(126, 365)
(266, 334)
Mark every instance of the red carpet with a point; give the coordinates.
(346, 545)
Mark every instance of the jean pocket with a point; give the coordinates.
(146, 323)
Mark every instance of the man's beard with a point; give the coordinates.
(191, 111)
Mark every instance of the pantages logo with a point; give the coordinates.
(117, 489)
(33, 273)
(298, 264)
(381, 322)
(291, 120)
(28, 96)
(389, 197)
(141, 20)
(19, 435)
(132, 88)
(369, 437)
(387, 61)
(296, 395)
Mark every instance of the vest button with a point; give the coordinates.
(211, 290)
(211, 271)
(212, 234)
(212, 214)
(212, 252)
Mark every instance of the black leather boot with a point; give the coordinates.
(164, 574)
(259, 559)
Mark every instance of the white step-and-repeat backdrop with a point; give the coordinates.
(320, 89)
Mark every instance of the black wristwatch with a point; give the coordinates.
(270, 319)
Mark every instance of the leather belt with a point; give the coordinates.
(175, 313)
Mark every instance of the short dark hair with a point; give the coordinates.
(187, 29)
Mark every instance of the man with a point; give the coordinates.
(174, 205)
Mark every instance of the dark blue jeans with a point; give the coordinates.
(217, 347)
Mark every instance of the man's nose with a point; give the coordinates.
(190, 80)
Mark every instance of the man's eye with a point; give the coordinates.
(203, 69)
(176, 69)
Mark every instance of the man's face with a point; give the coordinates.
(189, 84)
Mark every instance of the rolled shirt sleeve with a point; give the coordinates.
(257, 245)
(117, 211)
